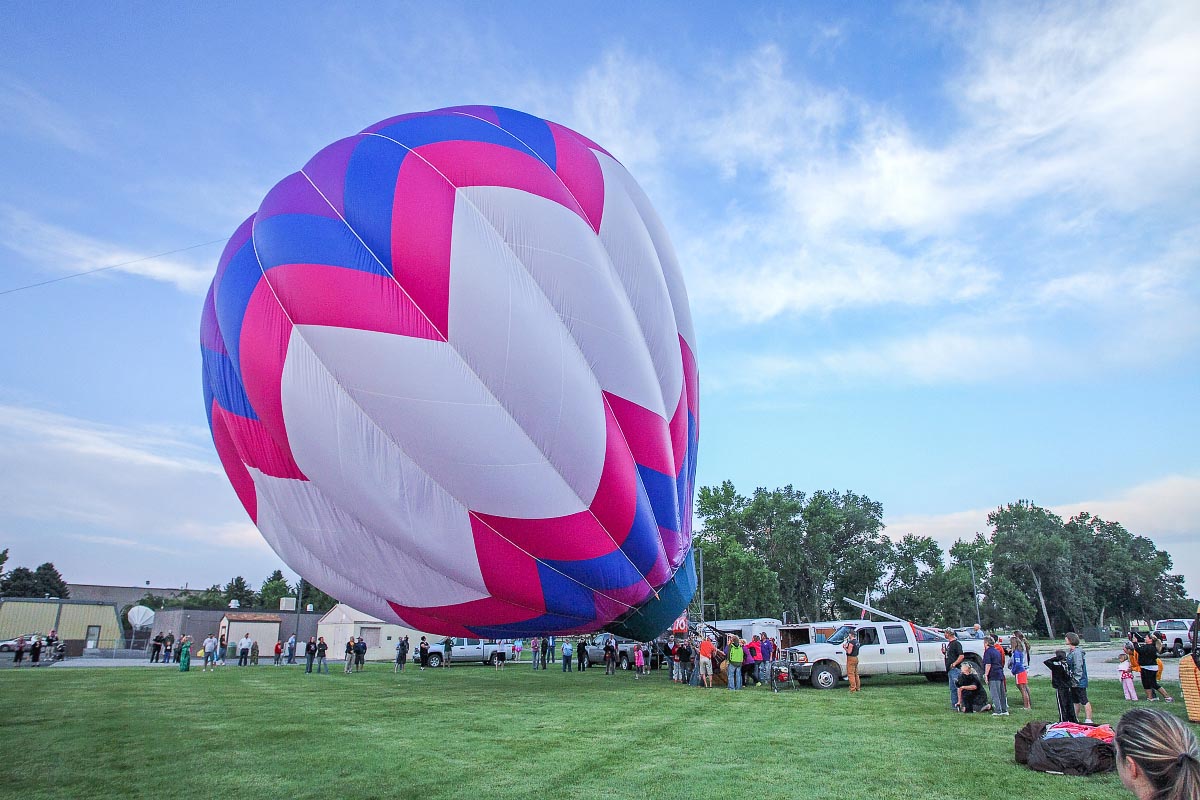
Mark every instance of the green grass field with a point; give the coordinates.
(475, 732)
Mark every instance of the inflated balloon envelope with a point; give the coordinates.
(450, 371)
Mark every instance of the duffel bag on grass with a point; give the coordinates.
(1023, 740)
(1072, 756)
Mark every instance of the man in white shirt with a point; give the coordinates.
(210, 653)
(244, 650)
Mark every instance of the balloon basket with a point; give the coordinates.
(1189, 682)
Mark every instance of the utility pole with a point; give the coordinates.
(299, 601)
(975, 593)
(700, 569)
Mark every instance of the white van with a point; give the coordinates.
(747, 628)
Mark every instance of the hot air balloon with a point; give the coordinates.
(449, 369)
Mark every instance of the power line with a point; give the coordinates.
(110, 266)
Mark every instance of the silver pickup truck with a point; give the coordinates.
(885, 648)
(473, 651)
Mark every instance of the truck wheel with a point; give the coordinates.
(434, 660)
(495, 659)
(824, 677)
(1177, 650)
(624, 663)
(976, 664)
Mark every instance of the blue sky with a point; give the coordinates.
(947, 256)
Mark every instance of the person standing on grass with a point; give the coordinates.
(993, 673)
(767, 647)
(156, 648)
(1077, 667)
(401, 654)
(1149, 664)
(518, 645)
(447, 651)
(610, 655)
(535, 651)
(1125, 673)
(360, 655)
(707, 648)
(1157, 756)
(185, 653)
(1018, 665)
(1060, 679)
(639, 662)
(735, 656)
(168, 644)
(954, 661)
(310, 654)
(322, 655)
(685, 660)
(206, 652)
(278, 653)
(581, 662)
(349, 655)
(291, 649)
(254, 654)
(748, 664)
(221, 648)
(852, 649)
(423, 652)
(566, 655)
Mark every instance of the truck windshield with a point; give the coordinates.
(840, 635)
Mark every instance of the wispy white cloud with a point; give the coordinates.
(935, 357)
(92, 490)
(26, 111)
(65, 251)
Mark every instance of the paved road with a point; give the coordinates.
(1099, 667)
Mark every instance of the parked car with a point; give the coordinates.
(10, 645)
(1176, 635)
(886, 648)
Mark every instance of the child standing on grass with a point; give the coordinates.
(1019, 668)
(639, 662)
(1125, 673)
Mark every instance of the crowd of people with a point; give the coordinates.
(35, 646)
(1141, 655)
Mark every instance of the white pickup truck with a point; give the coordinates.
(885, 648)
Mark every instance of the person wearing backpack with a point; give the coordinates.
(1077, 666)
(734, 656)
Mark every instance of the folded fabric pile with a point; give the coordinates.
(1073, 730)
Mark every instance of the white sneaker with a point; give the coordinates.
(1088, 722)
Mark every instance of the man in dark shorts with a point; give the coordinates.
(1077, 667)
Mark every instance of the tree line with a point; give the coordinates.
(44, 581)
(782, 550)
(268, 595)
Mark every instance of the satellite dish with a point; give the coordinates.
(140, 616)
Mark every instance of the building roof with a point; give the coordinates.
(342, 613)
(120, 596)
(251, 616)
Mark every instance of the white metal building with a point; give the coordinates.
(343, 622)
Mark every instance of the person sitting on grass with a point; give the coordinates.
(972, 696)
(1157, 756)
